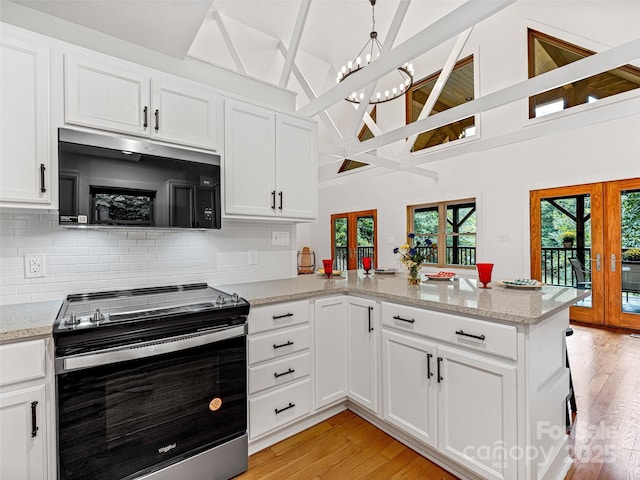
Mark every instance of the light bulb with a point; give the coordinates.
(358, 60)
(406, 82)
(395, 91)
(354, 95)
(401, 86)
(349, 64)
(368, 58)
(344, 69)
(386, 93)
(361, 96)
(378, 96)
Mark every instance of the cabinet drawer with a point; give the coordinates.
(22, 361)
(266, 318)
(476, 334)
(278, 372)
(279, 408)
(278, 344)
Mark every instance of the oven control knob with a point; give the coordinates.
(235, 298)
(73, 319)
(97, 316)
(221, 300)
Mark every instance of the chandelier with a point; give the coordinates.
(391, 87)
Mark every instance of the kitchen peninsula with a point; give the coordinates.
(474, 379)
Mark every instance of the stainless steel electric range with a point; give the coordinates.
(151, 384)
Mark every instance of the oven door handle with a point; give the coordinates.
(146, 349)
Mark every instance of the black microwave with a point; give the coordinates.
(110, 181)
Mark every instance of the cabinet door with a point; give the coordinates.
(477, 412)
(249, 163)
(330, 350)
(296, 168)
(106, 96)
(182, 113)
(25, 169)
(410, 394)
(23, 455)
(363, 353)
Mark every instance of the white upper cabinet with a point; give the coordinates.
(184, 114)
(249, 165)
(104, 96)
(25, 151)
(270, 164)
(296, 169)
(120, 98)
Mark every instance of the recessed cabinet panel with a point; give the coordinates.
(331, 350)
(363, 352)
(249, 171)
(105, 96)
(477, 411)
(184, 114)
(296, 168)
(410, 385)
(25, 169)
(23, 434)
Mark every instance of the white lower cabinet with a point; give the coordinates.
(23, 411)
(362, 335)
(331, 350)
(460, 403)
(409, 388)
(279, 366)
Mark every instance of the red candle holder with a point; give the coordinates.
(484, 273)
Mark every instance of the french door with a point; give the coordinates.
(604, 219)
(353, 237)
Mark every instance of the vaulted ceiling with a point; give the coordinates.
(301, 44)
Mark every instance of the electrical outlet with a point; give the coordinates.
(253, 257)
(34, 266)
(279, 238)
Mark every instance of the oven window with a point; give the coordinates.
(118, 420)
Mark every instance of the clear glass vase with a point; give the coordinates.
(414, 276)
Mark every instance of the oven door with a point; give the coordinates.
(121, 420)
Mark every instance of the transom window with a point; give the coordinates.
(547, 53)
(458, 90)
(451, 227)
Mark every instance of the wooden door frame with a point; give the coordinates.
(352, 238)
(596, 314)
(613, 242)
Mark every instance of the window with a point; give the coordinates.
(449, 224)
(458, 90)
(547, 53)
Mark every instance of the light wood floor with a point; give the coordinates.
(605, 440)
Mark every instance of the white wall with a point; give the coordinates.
(84, 260)
(501, 165)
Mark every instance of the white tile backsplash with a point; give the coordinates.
(81, 260)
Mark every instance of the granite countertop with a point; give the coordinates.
(27, 320)
(460, 295)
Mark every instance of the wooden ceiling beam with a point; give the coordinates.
(455, 22)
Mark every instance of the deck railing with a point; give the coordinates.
(556, 268)
(458, 256)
